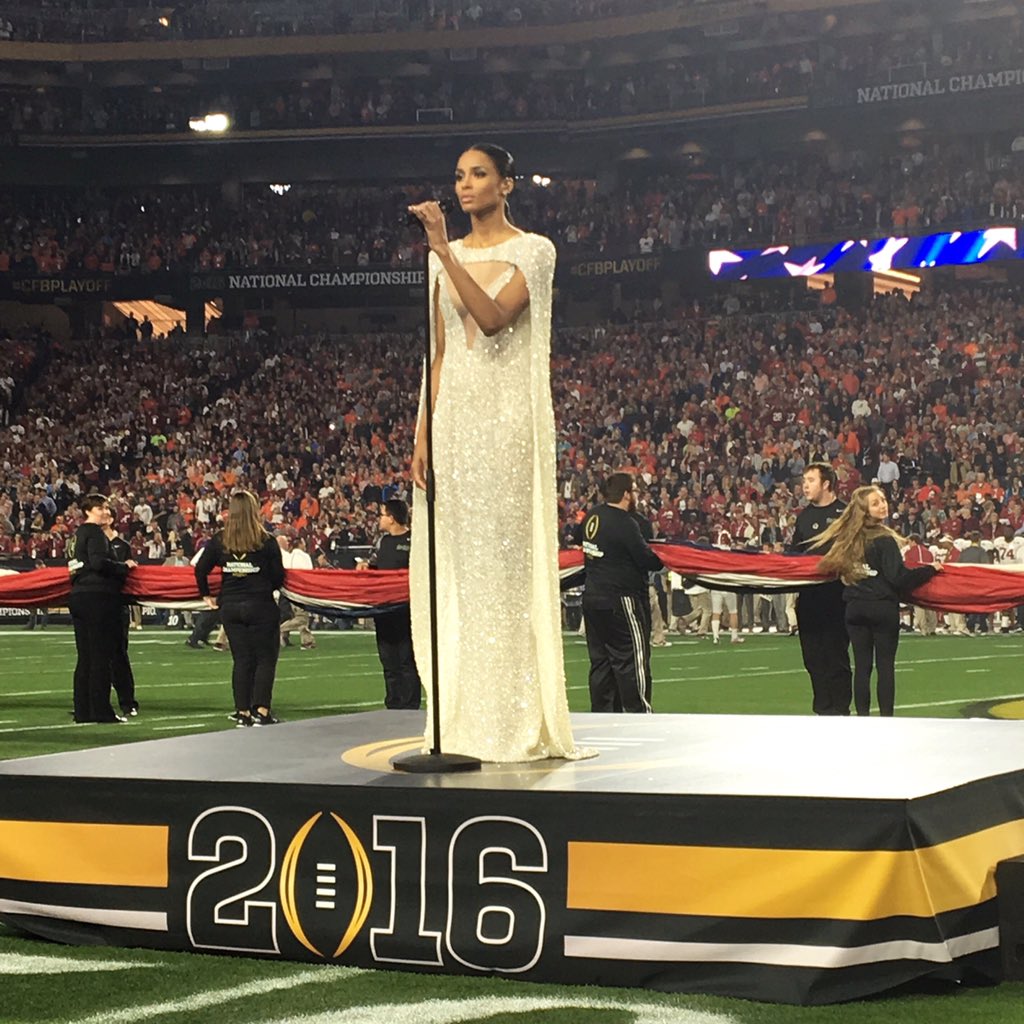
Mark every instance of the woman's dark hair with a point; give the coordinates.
(500, 157)
(503, 163)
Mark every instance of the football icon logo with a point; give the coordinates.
(326, 887)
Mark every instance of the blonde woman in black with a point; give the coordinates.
(250, 562)
(865, 554)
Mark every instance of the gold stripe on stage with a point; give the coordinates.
(83, 853)
(855, 885)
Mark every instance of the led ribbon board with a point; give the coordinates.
(946, 249)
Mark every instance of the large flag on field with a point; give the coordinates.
(960, 588)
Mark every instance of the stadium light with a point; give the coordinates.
(210, 123)
(280, 189)
(541, 179)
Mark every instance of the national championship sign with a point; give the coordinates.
(950, 85)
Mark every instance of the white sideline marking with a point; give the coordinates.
(18, 963)
(523, 1007)
(170, 728)
(216, 997)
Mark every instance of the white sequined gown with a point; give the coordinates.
(502, 677)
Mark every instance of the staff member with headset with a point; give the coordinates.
(250, 562)
(616, 608)
(97, 578)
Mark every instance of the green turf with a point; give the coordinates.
(184, 691)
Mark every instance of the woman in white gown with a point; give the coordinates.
(502, 678)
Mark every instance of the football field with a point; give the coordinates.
(183, 691)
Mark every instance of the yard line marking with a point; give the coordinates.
(20, 963)
(217, 997)
(968, 671)
(177, 718)
(337, 707)
(795, 670)
(38, 728)
(168, 728)
(962, 700)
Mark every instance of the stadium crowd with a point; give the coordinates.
(717, 414)
(88, 21)
(581, 89)
(704, 201)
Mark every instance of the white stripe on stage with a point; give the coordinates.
(597, 947)
(144, 920)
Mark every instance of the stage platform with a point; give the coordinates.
(786, 859)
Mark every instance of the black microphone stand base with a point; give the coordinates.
(425, 764)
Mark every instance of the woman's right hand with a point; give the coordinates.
(419, 464)
(431, 216)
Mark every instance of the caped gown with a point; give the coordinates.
(502, 677)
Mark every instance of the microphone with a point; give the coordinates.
(447, 208)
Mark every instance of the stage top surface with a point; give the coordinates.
(727, 755)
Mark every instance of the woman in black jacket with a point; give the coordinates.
(97, 578)
(251, 567)
(865, 555)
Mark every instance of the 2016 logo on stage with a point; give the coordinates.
(324, 888)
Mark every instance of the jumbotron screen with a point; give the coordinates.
(948, 248)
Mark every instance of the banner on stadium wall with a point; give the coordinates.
(343, 286)
(613, 267)
(63, 288)
(946, 85)
(290, 279)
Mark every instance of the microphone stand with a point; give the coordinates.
(436, 761)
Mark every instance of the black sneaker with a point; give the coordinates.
(258, 718)
(194, 644)
(244, 722)
(132, 712)
(238, 717)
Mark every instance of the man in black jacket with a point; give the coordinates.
(616, 608)
(97, 578)
(402, 688)
(820, 611)
(121, 672)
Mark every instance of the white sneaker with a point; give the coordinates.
(737, 640)
(714, 639)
